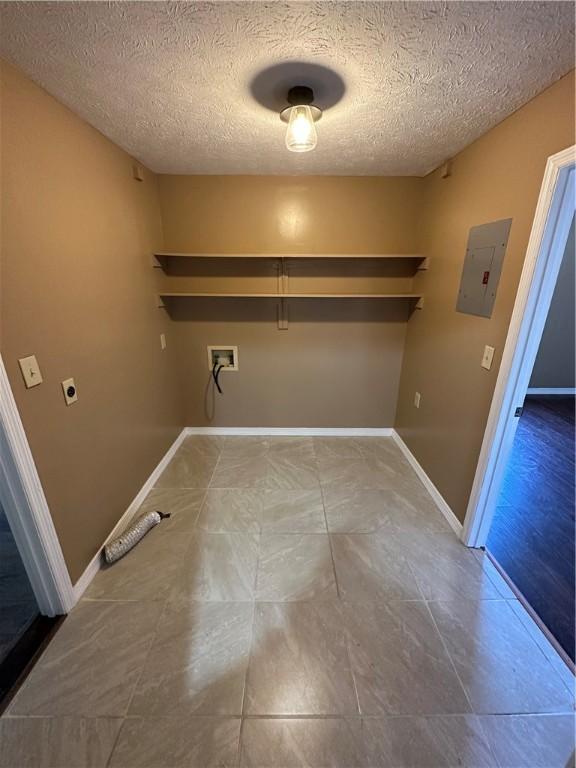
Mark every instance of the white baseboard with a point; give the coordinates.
(551, 391)
(95, 564)
(294, 431)
(441, 503)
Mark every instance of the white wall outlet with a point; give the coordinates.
(70, 391)
(162, 341)
(226, 356)
(417, 399)
(30, 371)
(487, 357)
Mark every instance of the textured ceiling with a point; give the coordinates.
(170, 82)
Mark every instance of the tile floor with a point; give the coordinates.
(305, 605)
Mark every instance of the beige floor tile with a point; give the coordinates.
(531, 741)
(197, 662)
(372, 567)
(293, 511)
(218, 567)
(237, 510)
(57, 742)
(500, 666)
(183, 506)
(299, 662)
(491, 571)
(245, 446)
(291, 471)
(188, 469)
(177, 742)
(93, 663)
(444, 568)
(380, 447)
(205, 445)
(369, 511)
(369, 473)
(294, 743)
(454, 741)
(291, 446)
(338, 447)
(560, 667)
(295, 567)
(147, 572)
(399, 662)
(240, 472)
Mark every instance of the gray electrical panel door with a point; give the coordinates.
(482, 267)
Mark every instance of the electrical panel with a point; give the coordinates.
(482, 268)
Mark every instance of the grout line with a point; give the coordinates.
(452, 664)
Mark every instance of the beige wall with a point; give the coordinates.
(290, 214)
(338, 364)
(555, 362)
(78, 292)
(499, 176)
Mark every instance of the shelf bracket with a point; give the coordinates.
(283, 315)
(160, 302)
(420, 303)
(424, 264)
(155, 262)
(283, 276)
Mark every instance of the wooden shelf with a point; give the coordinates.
(171, 254)
(181, 294)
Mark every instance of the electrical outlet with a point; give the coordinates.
(162, 341)
(487, 357)
(70, 391)
(417, 399)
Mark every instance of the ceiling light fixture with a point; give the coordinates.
(301, 116)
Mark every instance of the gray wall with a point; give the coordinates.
(554, 366)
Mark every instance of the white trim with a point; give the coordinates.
(27, 511)
(295, 431)
(551, 391)
(544, 253)
(440, 501)
(96, 562)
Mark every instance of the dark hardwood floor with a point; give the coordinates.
(532, 536)
(18, 607)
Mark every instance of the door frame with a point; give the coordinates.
(27, 511)
(546, 247)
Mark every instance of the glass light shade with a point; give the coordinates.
(301, 132)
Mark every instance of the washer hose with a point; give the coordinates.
(216, 368)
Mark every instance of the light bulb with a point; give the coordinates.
(301, 133)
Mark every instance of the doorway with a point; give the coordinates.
(35, 588)
(532, 533)
(522, 499)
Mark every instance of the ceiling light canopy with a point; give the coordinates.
(301, 116)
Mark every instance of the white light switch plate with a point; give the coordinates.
(417, 399)
(30, 371)
(162, 341)
(487, 357)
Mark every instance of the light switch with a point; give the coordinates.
(487, 357)
(417, 399)
(70, 391)
(162, 341)
(30, 371)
